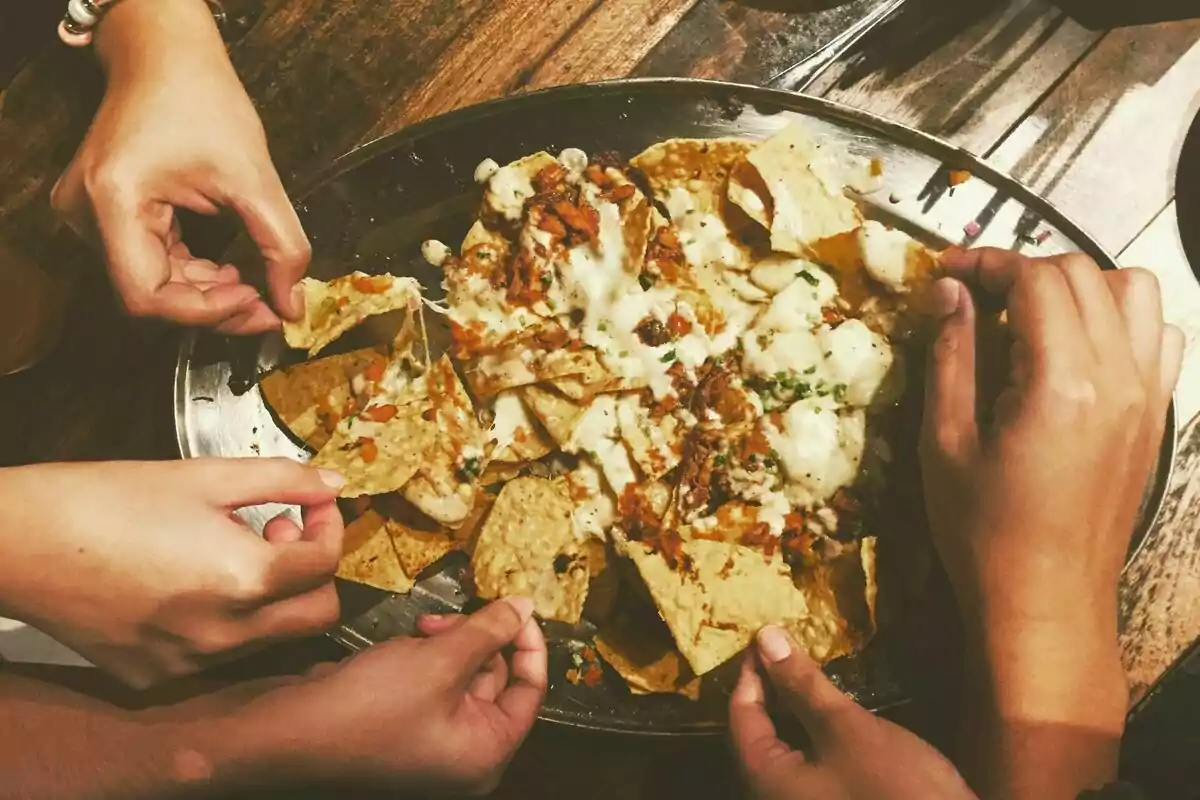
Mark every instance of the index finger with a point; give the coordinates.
(274, 226)
(1042, 313)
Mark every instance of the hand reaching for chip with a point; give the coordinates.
(854, 755)
(443, 714)
(142, 568)
(1032, 510)
(176, 130)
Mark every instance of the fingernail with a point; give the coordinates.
(522, 605)
(297, 300)
(773, 644)
(333, 480)
(947, 294)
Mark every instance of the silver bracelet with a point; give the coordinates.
(83, 15)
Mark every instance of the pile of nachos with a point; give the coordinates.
(657, 411)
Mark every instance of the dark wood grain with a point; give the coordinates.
(749, 42)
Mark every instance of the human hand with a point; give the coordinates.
(142, 568)
(441, 714)
(1033, 514)
(176, 130)
(854, 755)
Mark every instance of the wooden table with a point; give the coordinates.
(1092, 119)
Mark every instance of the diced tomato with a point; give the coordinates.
(592, 675)
(374, 370)
(371, 285)
(342, 302)
(678, 325)
(367, 450)
(379, 413)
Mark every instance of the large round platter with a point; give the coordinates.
(373, 208)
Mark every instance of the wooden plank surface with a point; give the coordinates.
(1104, 144)
(749, 42)
(974, 83)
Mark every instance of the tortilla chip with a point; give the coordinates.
(717, 597)
(331, 309)
(701, 166)
(747, 191)
(444, 484)
(368, 556)
(803, 208)
(604, 583)
(559, 415)
(418, 549)
(515, 434)
(646, 663)
(482, 236)
(527, 548)
(840, 595)
(299, 393)
(655, 443)
(381, 457)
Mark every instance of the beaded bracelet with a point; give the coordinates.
(83, 15)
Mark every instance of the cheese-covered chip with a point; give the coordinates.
(716, 596)
(528, 548)
(331, 309)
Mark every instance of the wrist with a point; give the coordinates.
(1067, 671)
(149, 37)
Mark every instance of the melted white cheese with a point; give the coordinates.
(885, 254)
(613, 303)
(508, 189)
(486, 169)
(768, 354)
(858, 358)
(819, 449)
(776, 272)
(435, 252)
(799, 306)
(596, 511)
(774, 510)
(574, 161)
(597, 436)
(703, 236)
(509, 416)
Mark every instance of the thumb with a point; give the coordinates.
(803, 688)
(275, 228)
(463, 651)
(949, 425)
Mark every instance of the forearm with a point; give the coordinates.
(148, 36)
(1043, 709)
(56, 743)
